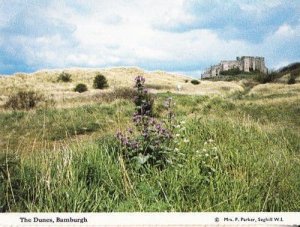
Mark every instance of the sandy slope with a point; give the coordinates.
(45, 81)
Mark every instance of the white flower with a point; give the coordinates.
(182, 122)
(176, 149)
(204, 150)
(206, 155)
(177, 135)
(210, 140)
(186, 140)
(205, 143)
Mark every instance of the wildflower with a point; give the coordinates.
(186, 140)
(152, 137)
(206, 155)
(210, 140)
(182, 129)
(177, 135)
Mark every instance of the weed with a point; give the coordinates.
(151, 144)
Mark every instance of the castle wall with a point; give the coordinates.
(244, 63)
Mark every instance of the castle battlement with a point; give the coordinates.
(243, 63)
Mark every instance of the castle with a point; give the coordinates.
(244, 63)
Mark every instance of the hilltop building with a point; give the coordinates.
(244, 63)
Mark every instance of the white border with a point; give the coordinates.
(153, 219)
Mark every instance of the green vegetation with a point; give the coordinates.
(291, 68)
(235, 77)
(234, 153)
(24, 100)
(100, 82)
(80, 88)
(231, 72)
(267, 78)
(292, 79)
(195, 82)
(64, 77)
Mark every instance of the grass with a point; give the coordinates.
(242, 154)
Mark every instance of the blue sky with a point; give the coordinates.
(184, 36)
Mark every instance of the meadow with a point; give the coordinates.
(237, 148)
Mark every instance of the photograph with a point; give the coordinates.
(138, 106)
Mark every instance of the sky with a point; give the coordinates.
(183, 36)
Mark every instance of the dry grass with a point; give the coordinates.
(45, 81)
(268, 89)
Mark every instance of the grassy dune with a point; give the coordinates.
(46, 83)
(241, 150)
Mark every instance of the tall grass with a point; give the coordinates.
(231, 160)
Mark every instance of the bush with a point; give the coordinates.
(266, 78)
(80, 88)
(100, 82)
(64, 77)
(24, 100)
(231, 72)
(195, 82)
(292, 79)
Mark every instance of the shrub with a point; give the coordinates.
(231, 72)
(80, 88)
(24, 100)
(64, 77)
(292, 79)
(195, 82)
(100, 82)
(266, 78)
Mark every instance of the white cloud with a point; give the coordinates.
(287, 31)
(101, 33)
